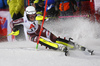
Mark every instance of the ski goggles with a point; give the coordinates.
(31, 15)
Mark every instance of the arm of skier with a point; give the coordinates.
(16, 22)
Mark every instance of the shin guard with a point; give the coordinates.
(48, 44)
(64, 42)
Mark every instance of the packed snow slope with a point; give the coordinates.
(83, 31)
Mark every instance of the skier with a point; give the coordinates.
(33, 28)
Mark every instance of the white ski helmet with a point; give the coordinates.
(30, 10)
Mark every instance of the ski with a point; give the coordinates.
(80, 47)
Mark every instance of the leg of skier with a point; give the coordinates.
(75, 45)
(52, 45)
(65, 42)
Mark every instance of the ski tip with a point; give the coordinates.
(92, 52)
(66, 53)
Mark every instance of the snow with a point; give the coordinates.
(83, 31)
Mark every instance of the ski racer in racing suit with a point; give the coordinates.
(33, 28)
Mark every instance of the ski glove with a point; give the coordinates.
(15, 29)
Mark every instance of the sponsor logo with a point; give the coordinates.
(25, 21)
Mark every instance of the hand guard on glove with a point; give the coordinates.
(15, 29)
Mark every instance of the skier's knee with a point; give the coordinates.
(34, 38)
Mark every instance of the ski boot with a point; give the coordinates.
(64, 49)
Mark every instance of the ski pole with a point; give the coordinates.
(3, 36)
(42, 23)
(12, 33)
